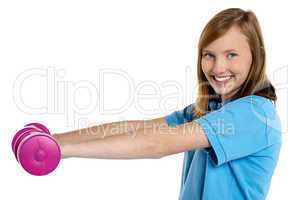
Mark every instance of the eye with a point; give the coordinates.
(232, 55)
(208, 55)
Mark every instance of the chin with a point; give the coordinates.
(223, 91)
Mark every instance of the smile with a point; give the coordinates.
(221, 80)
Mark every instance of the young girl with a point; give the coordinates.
(231, 135)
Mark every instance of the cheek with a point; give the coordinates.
(246, 65)
(206, 66)
(246, 69)
(242, 67)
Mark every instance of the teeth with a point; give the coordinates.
(222, 78)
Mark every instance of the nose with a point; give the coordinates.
(220, 66)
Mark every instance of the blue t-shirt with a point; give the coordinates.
(245, 138)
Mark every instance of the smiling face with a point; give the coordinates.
(226, 62)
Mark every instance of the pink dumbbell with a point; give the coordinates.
(36, 150)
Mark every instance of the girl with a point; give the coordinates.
(231, 135)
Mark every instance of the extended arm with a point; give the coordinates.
(153, 141)
(102, 131)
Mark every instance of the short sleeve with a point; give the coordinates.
(240, 128)
(180, 116)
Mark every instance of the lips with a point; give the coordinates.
(222, 80)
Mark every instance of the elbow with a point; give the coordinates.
(156, 150)
(159, 150)
(158, 156)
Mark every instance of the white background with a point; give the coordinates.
(52, 56)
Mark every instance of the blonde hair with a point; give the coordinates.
(256, 82)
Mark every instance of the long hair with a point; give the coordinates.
(256, 82)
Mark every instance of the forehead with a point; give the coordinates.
(232, 39)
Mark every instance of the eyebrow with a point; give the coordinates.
(226, 51)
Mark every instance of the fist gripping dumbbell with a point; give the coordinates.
(36, 150)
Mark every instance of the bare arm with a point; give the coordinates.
(149, 142)
(103, 130)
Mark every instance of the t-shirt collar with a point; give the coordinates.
(216, 104)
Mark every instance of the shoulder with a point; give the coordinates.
(253, 103)
(252, 99)
(261, 108)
